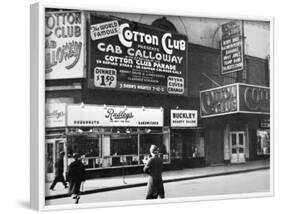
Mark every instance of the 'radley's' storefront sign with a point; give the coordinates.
(184, 118)
(64, 45)
(112, 116)
(131, 56)
(55, 115)
(235, 98)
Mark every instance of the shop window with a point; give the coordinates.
(263, 142)
(50, 158)
(115, 147)
(124, 145)
(198, 148)
(161, 140)
(124, 149)
(193, 145)
(86, 146)
(177, 146)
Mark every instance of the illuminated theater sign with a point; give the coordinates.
(130, 56)
(235, 98)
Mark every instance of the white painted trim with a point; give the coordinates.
(224, 86)
(64, 87)
(221, 114)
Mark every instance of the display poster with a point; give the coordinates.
(55, 115)
(64, 45)
(232, 47)
(113, 116)
(184, 118)
(130, 56)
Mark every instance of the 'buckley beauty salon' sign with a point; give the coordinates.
(184, 118)
(112, 116)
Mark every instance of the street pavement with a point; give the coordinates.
(248, 182)
(130, 181)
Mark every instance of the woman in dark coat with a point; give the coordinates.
(154, 167)
(59, 165)
(75, 176)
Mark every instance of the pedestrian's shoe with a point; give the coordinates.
(75, 196)
(52, 189)
(77, 200)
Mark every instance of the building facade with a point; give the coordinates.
(110, 95)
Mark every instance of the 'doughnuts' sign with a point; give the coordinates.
(125, 55)
(64, 46)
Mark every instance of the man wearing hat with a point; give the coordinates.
(75, 176)
(59, 165)
(154, 167)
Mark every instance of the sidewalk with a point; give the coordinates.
(119, 182)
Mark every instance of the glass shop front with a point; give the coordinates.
(115, 136)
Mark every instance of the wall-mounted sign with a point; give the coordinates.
(235, 98)
(55, 115)
(184, 118)
(114, 116)
(64, 45)
(130, 56)
(232, 47)
(265, 123)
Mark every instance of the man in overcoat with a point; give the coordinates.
(59, 167)
(154, 167)
(75, 176)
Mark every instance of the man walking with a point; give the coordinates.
(154, 167)
(59, 165)
(75, 176)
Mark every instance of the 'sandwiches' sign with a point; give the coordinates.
(232, 47)
(113, 116)
(131, 56)
(64, 45)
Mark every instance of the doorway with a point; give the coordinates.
(53, 149)
(237, 143)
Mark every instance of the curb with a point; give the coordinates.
(165, 181)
